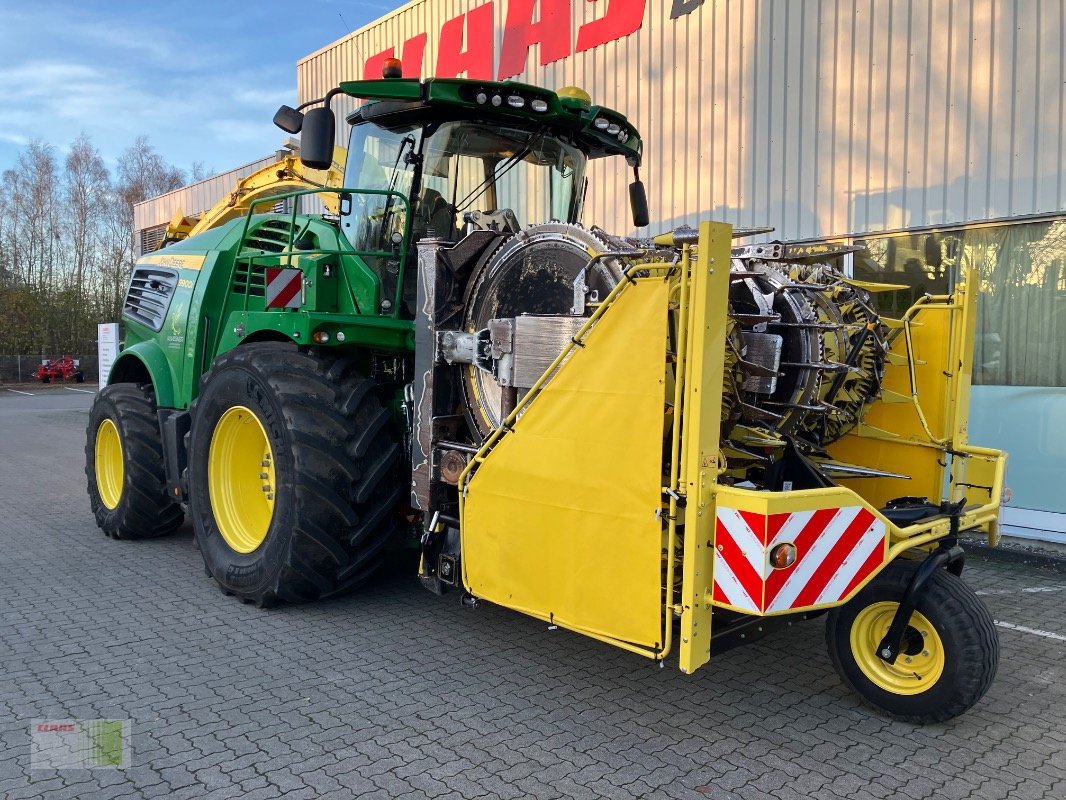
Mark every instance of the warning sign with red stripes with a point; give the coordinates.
(836, 550)
(283, 288)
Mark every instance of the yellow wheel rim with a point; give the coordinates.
(921, 660)
(109, 468)
(240, 479)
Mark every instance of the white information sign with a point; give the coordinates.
(107, 347)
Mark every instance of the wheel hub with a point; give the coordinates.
(921, 660)
(109, 467)
(241, 479)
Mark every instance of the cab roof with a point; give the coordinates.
(569, 110)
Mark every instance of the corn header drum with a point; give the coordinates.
(804, 351)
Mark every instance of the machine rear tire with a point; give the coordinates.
(124, 466)
(294, 484)
(950, 644)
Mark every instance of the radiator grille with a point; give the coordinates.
(149, 295)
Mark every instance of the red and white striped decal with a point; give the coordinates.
(283, 288)
(837, 549)
(739, 559)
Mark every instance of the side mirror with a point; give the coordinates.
(316, 141)
(289, 119)
(638, 202)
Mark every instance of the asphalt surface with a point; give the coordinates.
(394, 692)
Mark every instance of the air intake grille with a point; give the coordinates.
(148, 298)
(249, 273)
(271, 237)
(249, 278)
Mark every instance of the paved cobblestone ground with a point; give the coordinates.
(394, 692)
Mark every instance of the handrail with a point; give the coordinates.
(291, 250)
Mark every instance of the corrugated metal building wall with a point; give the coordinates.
(819, 117)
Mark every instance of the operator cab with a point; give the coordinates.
(457, 174)
(443, 157)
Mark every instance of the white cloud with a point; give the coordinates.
(14, 138)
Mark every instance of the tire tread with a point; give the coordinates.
(144, 511)
(339, 436)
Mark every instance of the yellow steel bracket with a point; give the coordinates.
(702, 409)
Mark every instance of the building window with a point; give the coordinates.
(1021, 317)
(150, 239)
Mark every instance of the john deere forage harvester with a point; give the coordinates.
(669, 444)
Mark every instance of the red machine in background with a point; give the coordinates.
(60, 369)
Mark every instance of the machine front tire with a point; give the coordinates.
(950, 651)
(293, 465)
(124, 466)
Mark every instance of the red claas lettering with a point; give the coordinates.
(466, 43)
(461, 47)
(520, 32)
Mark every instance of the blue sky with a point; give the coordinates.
(201, 79)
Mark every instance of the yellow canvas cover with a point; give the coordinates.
(562, 521)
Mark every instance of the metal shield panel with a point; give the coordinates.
(562, 520)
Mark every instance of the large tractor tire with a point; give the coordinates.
(294, 482)
(124, 466)
(950, 648)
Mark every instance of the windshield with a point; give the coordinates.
(472, 166)
(446, 171)
(466, 166)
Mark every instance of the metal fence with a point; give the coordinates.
(20, 368)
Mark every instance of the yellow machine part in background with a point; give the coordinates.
(287, 175)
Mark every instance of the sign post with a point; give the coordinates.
(107, 347)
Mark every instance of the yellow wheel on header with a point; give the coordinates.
(948, 655)
(921, 661)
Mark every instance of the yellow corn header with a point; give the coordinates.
(578, 511)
